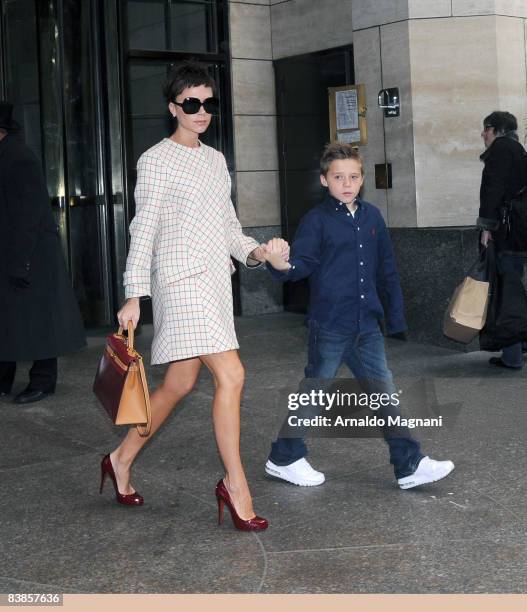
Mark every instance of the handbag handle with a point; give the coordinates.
(130, 335)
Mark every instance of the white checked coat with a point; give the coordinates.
(182, 238)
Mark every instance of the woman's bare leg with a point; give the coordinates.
(179, 380)
(228, 373)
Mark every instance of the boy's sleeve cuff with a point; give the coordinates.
(278, 274)
(487, 224)
(396, 327)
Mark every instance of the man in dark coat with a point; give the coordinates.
(504, 174)
(39, 316)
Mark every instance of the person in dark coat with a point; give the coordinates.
(504, 174)
(39, 315)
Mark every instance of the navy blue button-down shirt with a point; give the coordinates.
(350, 264)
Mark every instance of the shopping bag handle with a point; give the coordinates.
(130, 335)
(480, 269)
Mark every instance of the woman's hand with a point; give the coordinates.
(276, 245)
(129, 312)
(485, 237)
(258, 254)
(276, 252)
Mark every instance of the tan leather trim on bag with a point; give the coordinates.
(145, 431)
(135, 399)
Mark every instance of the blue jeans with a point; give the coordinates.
(512, 355)
(365, 356)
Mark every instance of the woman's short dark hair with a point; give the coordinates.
(186, 74)
(338, 150)
(501, 121)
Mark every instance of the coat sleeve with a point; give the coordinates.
(494, 184)
(24, 190)
(305, 251)
(150, 192)
(240, 245)
(388, 283)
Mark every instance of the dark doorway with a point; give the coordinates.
(303, 130)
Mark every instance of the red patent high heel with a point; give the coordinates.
(132, 499)
(257, 523)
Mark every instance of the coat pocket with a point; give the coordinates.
(172, 274)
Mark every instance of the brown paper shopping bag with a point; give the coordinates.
(467, 310)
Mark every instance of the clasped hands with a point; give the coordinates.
(275, 252)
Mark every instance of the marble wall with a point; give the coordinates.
(304, 26)
(398, 131)
(253, 95)
(382, 59)
(511, 8)
(451, 98)
(367, 54)
(449, 106)
(373, 13)
(454, 62)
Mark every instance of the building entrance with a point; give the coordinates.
(85, 78)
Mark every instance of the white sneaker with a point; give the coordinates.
(428, 470)
(299, 473)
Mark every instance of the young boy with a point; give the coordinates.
(343, 247)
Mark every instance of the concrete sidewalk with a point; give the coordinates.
(357, 533)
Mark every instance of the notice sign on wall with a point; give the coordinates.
(347, 114)
(347, 108)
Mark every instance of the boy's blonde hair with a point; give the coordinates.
(339, 150)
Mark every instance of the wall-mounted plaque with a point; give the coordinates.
(347, 114)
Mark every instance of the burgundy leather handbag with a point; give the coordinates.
(120, 383)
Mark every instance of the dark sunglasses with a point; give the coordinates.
(191, 106)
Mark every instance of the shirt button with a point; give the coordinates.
(360, 246)
(362, 297)
(348, 214)
(336, 209)
(361, 280)
(358, 228)
(361, 263)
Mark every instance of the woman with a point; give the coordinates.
(504, 174)
(39, 315)
(182, 239)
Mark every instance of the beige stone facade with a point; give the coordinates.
(454, 62)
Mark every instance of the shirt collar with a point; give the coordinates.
(330, 201)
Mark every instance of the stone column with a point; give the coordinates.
(255, 142)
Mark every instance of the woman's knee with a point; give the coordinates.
(179, 386)
(232, 377)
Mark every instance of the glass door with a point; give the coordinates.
(73, 125)
(53, 77)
